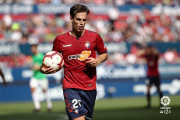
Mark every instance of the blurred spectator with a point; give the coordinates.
(99, 2)
(131, 59)
(16, 35)
(7, 20)
(120, 2)
(115, 35)
(28, 2)
(42, 1)
(113, 14)
(171, 56)
(56, 2)
(118, 58)
(101, 26)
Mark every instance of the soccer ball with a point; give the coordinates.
(53, 59)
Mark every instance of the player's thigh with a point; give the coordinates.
(89, 98)
(157, 81)
(33, 83)
(74, 103)
(44, 83)
(149, 81)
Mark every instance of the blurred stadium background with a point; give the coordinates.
(126, 26)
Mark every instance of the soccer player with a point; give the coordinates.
(78, 48)
(153, 77)
(39, 80)
(2, 75)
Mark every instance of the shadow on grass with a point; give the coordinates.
(135, 113)
(35, 116)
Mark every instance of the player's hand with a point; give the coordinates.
(47, 70)
(93, 62)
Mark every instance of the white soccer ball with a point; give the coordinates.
(53, 59)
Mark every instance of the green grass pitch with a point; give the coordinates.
(129, 108)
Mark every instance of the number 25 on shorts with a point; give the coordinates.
(75, 103)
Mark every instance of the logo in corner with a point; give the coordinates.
(165, 100)
(87, 44)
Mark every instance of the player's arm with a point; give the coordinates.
(101, 50)
(2, 75)
(155, 51)
(93, 62)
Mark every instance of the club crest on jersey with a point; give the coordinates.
(87, 44)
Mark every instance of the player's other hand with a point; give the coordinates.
(93, 62)
(47, 70)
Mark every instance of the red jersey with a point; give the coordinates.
(75, 51)
(152, 64)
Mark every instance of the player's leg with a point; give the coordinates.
(148, 95)
(35, 98)
(158, 83)
(89, 98)
(44, 85)
(74, 104)
(80, 118)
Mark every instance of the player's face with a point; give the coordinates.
(79, 21)
(34, 49)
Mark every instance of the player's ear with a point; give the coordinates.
(71, 19)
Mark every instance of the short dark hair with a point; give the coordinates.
(77, 8)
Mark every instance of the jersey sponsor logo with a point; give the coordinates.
(83, 56)
(87, 44)
(67, 45)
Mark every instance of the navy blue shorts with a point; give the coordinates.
(153, 80)
(79, 102)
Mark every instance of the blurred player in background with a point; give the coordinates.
(153, 77)
(78, 48)
(39, 80)
(2, 75)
